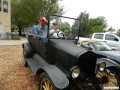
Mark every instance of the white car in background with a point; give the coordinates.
(111, 39)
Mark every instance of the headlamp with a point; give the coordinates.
(101, 67)
(75, 72)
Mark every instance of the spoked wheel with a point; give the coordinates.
(45, 83)
(110, 79)
(24, 56)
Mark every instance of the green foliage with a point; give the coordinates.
(75, 28)
(16, 37)
(90, 25)
(25, 13)
(111, 29)
(64, 25)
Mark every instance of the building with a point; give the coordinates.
(5, 16)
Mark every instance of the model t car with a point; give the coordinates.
(62, 65)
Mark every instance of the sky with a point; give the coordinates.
(110, 9)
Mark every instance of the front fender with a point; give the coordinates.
(109, 62)
(57, 76)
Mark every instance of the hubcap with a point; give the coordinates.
(108, 79)
(46, 84)
(104, 79)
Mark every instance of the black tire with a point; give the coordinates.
(28, 49)
(24, 56)
(113, 78)
(44, 78)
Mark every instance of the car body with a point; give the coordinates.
(28, 32)
(62, 65)
(111, 39)
(102, 48)
(23, 33)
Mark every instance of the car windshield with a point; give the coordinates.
(102, 46)
(63, 27)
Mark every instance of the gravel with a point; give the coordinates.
(13, 75)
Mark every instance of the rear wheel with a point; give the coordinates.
(24, 56)
(45, 83)
(110, 79)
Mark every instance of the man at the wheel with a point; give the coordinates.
(54, 32)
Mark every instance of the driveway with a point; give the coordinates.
(13, 74)
(13, 42)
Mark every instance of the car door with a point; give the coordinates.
(40, 47)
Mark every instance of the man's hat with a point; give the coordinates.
(43, 19)
(55, 23)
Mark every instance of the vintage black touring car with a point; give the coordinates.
(62, 65)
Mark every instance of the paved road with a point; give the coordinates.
(13, 42)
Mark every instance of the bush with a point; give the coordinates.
(15, 37)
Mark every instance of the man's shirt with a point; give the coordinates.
(39, 31)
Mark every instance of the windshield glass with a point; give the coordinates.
(102, 46)
(63, 27)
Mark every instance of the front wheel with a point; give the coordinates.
(45, 83)
(110, 79)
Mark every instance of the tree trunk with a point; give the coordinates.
(19, 25)
(20, 29)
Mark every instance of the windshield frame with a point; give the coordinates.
(48, 35)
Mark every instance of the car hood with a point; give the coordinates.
(114, 55)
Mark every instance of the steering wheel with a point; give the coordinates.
(63, 34)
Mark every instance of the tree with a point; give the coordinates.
(90, 25)
(84, 18)
(26, 13)
(83, 23)
(97, 25)
(64, 25)
(17, 14)
(111, 29)
(75, 27)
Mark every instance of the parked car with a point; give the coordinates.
(111, 39)
(23, 33)
(29, 32)
(101, 48)
(62, 65)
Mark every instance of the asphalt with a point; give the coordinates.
(13, 42)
